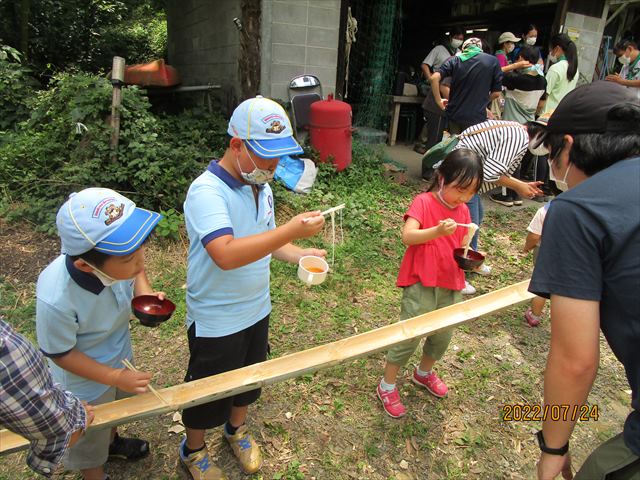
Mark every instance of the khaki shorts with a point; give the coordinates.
(92, 450)
(611, 461)
(417, 300)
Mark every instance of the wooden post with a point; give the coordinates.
(117, 80)
(294, 365)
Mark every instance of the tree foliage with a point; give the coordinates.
(84, 34)
(17, 88)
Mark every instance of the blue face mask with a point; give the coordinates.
(257, 176)
(535, 68)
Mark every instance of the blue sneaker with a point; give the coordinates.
(199, 464)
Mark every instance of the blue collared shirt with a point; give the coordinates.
(74, 310)
(32, 406)
(223, 302)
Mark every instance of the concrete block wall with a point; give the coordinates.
(203, 41)
(298, 37)
(588, 44)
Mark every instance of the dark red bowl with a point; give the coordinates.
(472, 261)
(151, 311)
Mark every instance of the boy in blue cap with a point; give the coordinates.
(230, 219)
(83, 310)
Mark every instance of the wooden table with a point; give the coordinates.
(398, 101)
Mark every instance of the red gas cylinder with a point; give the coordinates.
(330, 129)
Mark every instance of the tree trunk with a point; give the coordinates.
(249, 61)
(25, 8)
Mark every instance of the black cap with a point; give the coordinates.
(586, 108)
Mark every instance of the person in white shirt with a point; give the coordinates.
(629, 56)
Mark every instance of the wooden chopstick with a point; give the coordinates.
(130, 366)
(327, 212)
(334, 209)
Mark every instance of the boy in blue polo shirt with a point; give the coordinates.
(229, 213)
(83, 309)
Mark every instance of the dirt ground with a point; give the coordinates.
(329, 425)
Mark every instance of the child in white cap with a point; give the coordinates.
(83, 310)
(230, 218)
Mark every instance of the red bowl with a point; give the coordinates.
(472, 261)
(151, 311)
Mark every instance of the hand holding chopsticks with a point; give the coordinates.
(130, 366)
(328, 211)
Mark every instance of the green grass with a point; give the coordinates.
(329, 424)
(18, 307)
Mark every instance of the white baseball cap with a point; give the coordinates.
(264, 126)
(507, 37)
(104, 220)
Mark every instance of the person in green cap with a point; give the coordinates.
(476, 79)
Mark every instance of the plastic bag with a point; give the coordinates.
(437, 153)
(297, 174)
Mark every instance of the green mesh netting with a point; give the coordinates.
(373, 60)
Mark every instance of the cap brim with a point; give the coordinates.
(130, 235)
(275, 148)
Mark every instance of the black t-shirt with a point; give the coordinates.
(590, 250)
(472, 82)
(522, 81)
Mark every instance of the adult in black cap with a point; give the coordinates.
(589, 265)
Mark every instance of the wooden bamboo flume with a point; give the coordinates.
(294, 365)
(130, 366)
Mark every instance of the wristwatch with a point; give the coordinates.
(549, 450)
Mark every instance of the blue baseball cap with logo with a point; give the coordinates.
(264, 126)
(104, 220)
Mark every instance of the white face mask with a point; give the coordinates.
(531, 40)
(444, 202)
(624, 60)
(553, 58)
(510, 47)
(257, 176)
(561, 184)
(456, 43)
(105, 279)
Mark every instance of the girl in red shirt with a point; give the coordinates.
(429, 275)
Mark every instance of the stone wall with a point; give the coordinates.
(204, 43)
(589, 36)
(298, 37)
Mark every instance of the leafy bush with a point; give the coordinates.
(17, 86)
(64, 147)
(169, 226)
(361, 186)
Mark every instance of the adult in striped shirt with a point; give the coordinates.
(501, 145)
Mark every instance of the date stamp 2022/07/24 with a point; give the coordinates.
(540, 413)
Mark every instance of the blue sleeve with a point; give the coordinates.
(571, 247)
(56, 330)
(448, 67)
(207, 211)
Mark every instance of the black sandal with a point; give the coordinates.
(128, 448)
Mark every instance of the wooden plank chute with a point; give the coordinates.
(294, 365)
